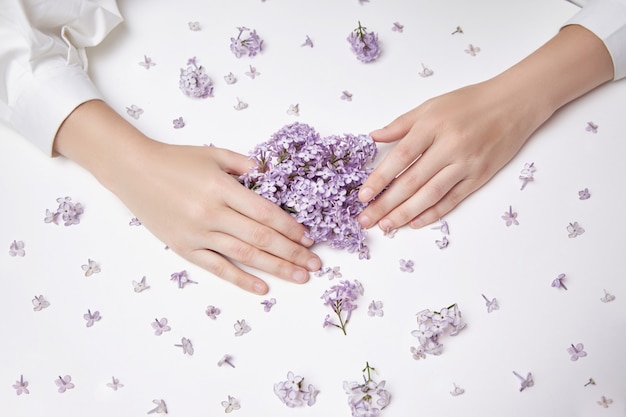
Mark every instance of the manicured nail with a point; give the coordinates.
(385, 225)
(313, 264)
(366, 194)
(364, 221)
(300, 276)
(259, 288)
(307, 241)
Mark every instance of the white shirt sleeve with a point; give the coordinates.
(43, 62)
(606, 19)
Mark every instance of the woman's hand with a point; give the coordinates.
(187, 197)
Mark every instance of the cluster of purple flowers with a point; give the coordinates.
(364, 44)
(316, 180)
(367, 399)
(68, 211)
(246, 43)
(341, 299)
(432, 325)
(292, 394)
(194, 81)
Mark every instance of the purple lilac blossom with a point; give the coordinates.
(160, 326)
(576, 351)
(292, 393)
(161, 407)
(558, 282)
(375, 309)
(182, 278)
(64, 383)
(91, 317)
(186, 345)
(510, 217)
(241, 328)
(527, 174)
(21, 386)
(247, 42)
(90, 268)
(341, 299)
(592, 127)
(608, 297)
(584, 194)
(432, 325)
(268, 304)
(364, 44)
(525, 382)
(40, 302)
(194, 81)
(67, 210)
(316, 180)
(369, 398)
(231, 404)
(443, 243)
(212, 312)
(574, 229)
(115, 384)
(17, 248)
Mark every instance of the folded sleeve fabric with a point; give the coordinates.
(43, 62)
(607, 20)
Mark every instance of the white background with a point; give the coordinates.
(530, 333)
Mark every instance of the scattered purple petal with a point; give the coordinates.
(525, 382)
(605, 402)
(21, 386)
(368, 398)
(91, 317)
(346, 95)
(134, 111)
(293, 110)
(212, 312)
(268, 304)
(40, 302)
(230, 78)
(292, 393)
(527, 174)
(194, 26)
(418, 352)
(426, 72)
(226, 359)
(147, 62)
(241, 105)
(67, 210)
(510, 217)
(160, 326)
(253, 72)
(432, 325)
(241, 328)
(134, 222)
(574, 229)
(341, 299)
(492, 304)
(406, 265)
(390, 233)
(364, 44)
(591, 127)
(17, 248)
(308, 42)
(608, 297)
(443, 226)
(186, 345)
(443, 243)
(90, 268)
(397, 27)
(558, 282)
(115, 384)
(577, 351)
(194, 81)
(141, 285)
(472, 50)
(181, 278)
(64, 383)
(231, 404)
(161, 407)
(375, 309)
(247, 42)
(178, 123)
(584, 194)
(334, 272)
(457, 391)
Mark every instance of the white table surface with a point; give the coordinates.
(531, 331)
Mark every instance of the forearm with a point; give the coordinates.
(572, 63)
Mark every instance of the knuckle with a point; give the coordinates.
(261, 237)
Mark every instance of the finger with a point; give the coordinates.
(250, 255)
(259, 235)
(395, 130)
(223, 268)
(401, 157)
(233, 162)
(423, 198)
(457, 194)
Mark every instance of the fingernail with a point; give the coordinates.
(307, 241)
(259, 288)
(364, 221)
(416, 223)
(313, 264)
(300, 276)
(366, 194)
(386, 225)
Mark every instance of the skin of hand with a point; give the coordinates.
(189, 198)
(451, 145)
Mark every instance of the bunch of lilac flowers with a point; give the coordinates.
(316, 180)
(367, 399)
(432, 325)
(341, 299)
(246, 43)
(292, 394)
(67, 210)
(194, 81)
(364, 44)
